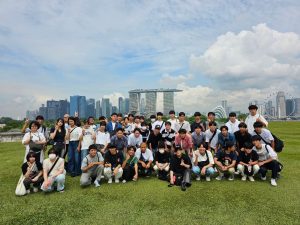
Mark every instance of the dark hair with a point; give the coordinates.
(256, 138)
(131, 147)
(159, 114)
(142, 118)
(63, 129)
(252, 107)
(168, 123)
(114, 114)
(242, 124)
(93, 146)
(204, 144)
(232, 114)
(110, 146)
(182, 131)
(161, 144)
(130, 115)
(212, 123)
(223, 127)
(258, 124)
(177, 148)
(152, 117)
(181, 114)
(229, 144)
(71, 118)
(29, 155)
(198, 126)
(52, 151)
(211, 113)
(248, 145)
(85, 121)
(102, 118)
(119, 129)
(137, 129)
(36, 123)
(197, 114)
(119, 115)
(171, 112)
(103, 123)
(39, 117)
(136, 117)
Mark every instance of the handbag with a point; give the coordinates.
(20, 189)
(35, 147)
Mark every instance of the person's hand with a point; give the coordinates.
(69, 130)
(116, 170)
(182, 163)
(56, 127)
(203, 170)
(76, 114)
(91, 164)
(261, 163)
(34, 179)
(27, 121)
(191, 154)
(78, 149)
(127, 156)
(143, 164)
(148, 166)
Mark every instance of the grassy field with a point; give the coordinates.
(150, 201)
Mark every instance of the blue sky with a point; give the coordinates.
(213, 50)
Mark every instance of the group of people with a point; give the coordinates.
(126, 148)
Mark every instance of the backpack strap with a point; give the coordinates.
(262, 138)
(212, 137)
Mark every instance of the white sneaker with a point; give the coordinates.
(251, 178)
(28, 191)
(237, 172)
(198, 178)
(263, 178)
(117, 181)
(231, 178)
(219, 177)
(124, 181)
(35, 189)
(244, 178)
(273, 182)
(110, 180)
(207, 178)
(96, 183)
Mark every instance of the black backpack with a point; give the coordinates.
(279, 144)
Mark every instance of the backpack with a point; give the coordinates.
(279, 144)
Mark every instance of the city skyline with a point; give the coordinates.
(237, 50)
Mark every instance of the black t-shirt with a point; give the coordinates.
(39, 168)
(59, 136)
(253, 156)
(162, 158)
(195, 124)
(114, 160)
(175, 163)
(154, 139)
(242, 139)
(226, 158)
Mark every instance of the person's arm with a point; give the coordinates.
(125, 161)
(26, 138)
(171, 177)
(270, 159)
(218, 163)
(25, 126)
(53, 132)
(184, 164)
(136, 171)
(60, 169)
(232, 164)
(196, 159)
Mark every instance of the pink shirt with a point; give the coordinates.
(185, 143)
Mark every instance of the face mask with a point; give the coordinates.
(161, 151)
(152, 120)
(52, 156)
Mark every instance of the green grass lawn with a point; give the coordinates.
(150, 201)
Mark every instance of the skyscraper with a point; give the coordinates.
(290, 107)
(78, 104)
(98, 109)
(52, 109)
(121, 105)
(168, 102)
(91, 107)
(43, 111)
(143, 105)
(134, 102)
(280, 103)
(150, 108)
(126, 105)
(105, 106)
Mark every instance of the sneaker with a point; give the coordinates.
(35, 189)
(124, 181)
(62, 191)
(96, 182)
(28, 191)
(251, 178)
(198, 178)
(263, 178)
(117, 181)
(134, 179)
(237, 172)
(273, 182)
(231, 178)
(183, 186)
(102, 176)
(219, 177)
(244, 178)
(207, 178)
(109, 180)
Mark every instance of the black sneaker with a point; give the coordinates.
(183, 186)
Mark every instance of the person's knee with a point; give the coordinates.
(60, 178)
(155, 167)
(255, 169)
(231, 170)
(196, 169)
(240, 168)
(209, 171)
(167, 168)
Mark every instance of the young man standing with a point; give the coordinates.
(102, 138)
(168, 135)
(211, 117)
(112, 125)
(153, 139)
(225, 160)
(119, 140)
(253, 117)
(92, 167)
(198, 123)
(267, 159)
(182, 124)
(224, 137)
(266, 136)
(211, 136)
(173, 119)
(159, 122)
(145, 157)
(87, 138)
(233, 123)
(242, 136)
(113, 161)
(248, 165)
(198, 137)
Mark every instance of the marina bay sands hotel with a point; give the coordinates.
(138, 105)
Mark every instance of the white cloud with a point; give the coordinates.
(253, 58)
(114, 98)
(169, 80)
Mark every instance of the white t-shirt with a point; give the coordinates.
(88, 138)
(214, 141)
(173, 123)
(160, 123)
(34, 137)
(47, 164)
(133, 141)
(185, 125)
(147, 155)
(233, 127)
(75, 133)
(102, 138)
(250, 120)
(263, 154)
(265, 134)
(203, 158)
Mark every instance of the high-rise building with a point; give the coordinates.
(150, 108)
(98, 109)
(297, 107)
(31, 115)
(168, 102)
(64, 107)
(134, 102)
(280, 103)
(143, 106)
(78, 104)
(290, 107)
(126, 106)
(121, 105)
(114, 109)
(106, 107)
(90, 107)
(52, 109)
(43, 111)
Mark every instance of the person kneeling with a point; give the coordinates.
(54, 172)
(92, 167)
(203, 162)
(180, 169)
(225, 161)
(113, 160)
(248, 165)
(145, 157)
(162, 161)
(130, 165)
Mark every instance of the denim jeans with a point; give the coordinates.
(209, 171)
(83, 153)
(59, 181)
(74, 159)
